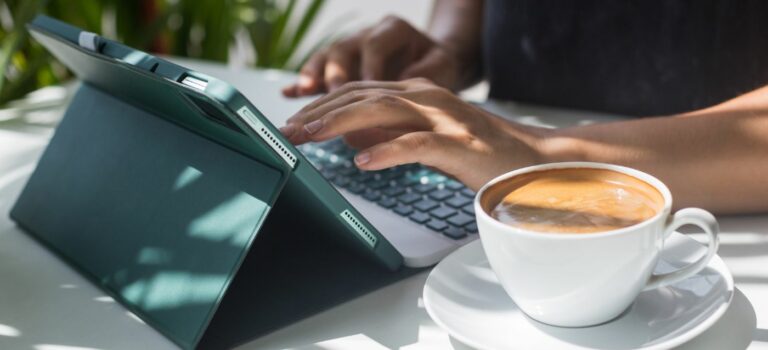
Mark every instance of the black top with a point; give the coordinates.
(636, 57)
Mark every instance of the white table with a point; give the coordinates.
(46, 305)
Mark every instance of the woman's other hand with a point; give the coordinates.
(390, 50)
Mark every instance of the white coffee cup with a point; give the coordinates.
(577, 280)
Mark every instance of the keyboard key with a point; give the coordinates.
(341, 181)
(469, 209)
(424, 188)
(328, 174)
(356, 188)
(419, 217)
(413, 167)
(407, 181)
(333, 147)
(471, 228)
(378, 184)
(392, 173)
(458, 201)
(425, 205)
(349, 171)
(388, 202)
(437, 225)
(409, 197)
(403, 210)
(346, 151)
(442, 212)
(372, 195)
(362, 177)
(393, 191)
(319, 153)
(455, 232)
(454, 185)
(438, 178)
(440, 195)
(335, 166)
(468, 193)
(421, 172)
(461, 220)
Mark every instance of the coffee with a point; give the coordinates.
(572, 200)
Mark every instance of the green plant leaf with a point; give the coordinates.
(306, 21)
(15, 40)
(277, 33)
(275, 27)
(26, 81)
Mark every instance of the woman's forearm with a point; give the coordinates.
(715, 158)
(457, 25)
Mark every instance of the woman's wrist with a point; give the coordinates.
(536, 141)
(456, 27)
(467, 63)
(557, 147)
(551, 145)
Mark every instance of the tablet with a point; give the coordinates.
(193, 100)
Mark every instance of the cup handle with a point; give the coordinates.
(692, 216)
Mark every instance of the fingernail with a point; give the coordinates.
(290, 91)
(305, 81)
(288, 130)
(314, 126)
(362, 158)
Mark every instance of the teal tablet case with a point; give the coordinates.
(213, 109)
(168, 203)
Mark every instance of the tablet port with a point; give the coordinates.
(213, 113)
(194, 83)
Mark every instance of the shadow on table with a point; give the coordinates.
(761, 335)
(735, 330)
(742, 279)
(354, 321)
(743, 250)
(54, 307)
(736, 225)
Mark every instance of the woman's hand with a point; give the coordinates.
(390, 50)
(414, 121)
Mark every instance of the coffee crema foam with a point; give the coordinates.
(572, 200)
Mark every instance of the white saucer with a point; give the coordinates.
(463, 296)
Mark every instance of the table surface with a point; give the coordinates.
(46, 305)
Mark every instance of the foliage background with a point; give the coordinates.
(203, 29)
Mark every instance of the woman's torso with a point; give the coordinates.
(636, 57)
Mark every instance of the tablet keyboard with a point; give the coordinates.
(413, 191)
